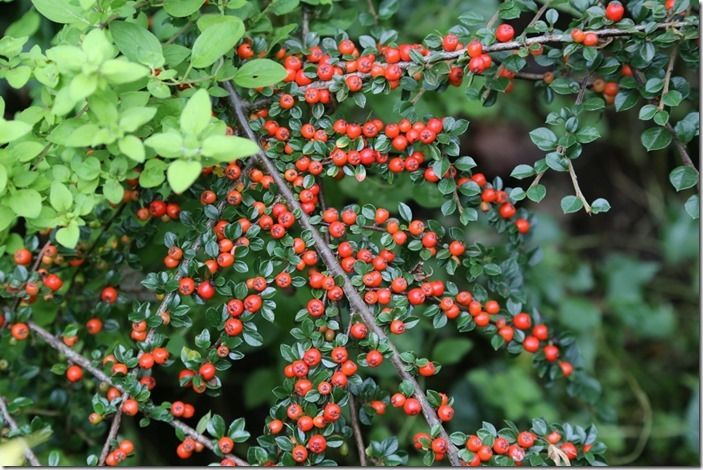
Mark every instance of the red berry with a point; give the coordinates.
(505, 33)
(614, 11)
(74, 373)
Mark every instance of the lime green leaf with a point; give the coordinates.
(132, 147)
(656, 138)
(59, 11)
(282, 7)
(26, 203)
(683, 177)
(451, 350)
(25, 151)
(137, 43)
(68, 58)
(113, 190)
(3, 178)
(133, 118)
(97, 47)
(7, 217)
(13, 130)
(571, 204)
(27, 25)
(18, 77)
(82, 86)
(197, 113)
(259, 73)
(226, 148)
(181, 8)
(181, 174)
(60, 197)
(122, 71)
(153, 174)
(166, 144)
(68, 236)
(216, 41)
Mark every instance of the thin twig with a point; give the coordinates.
(306, 22)
(330, 260)
(372, 11)
(13, 426)
(114, 429)
(667, 75)
(82, 361)
(508, 46)
(577, 189)
(361, 448)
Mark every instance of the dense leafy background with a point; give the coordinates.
(625, 282)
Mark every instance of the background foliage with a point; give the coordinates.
(625, 282)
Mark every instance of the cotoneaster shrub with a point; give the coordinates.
(215, 119)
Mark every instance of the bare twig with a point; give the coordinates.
(355, 300)
(577, 189)
(361, 448)
(114, 429)
(667, 75)
(372, 11)
(13, 426)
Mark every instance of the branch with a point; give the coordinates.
(508, 46)
(114, 429)
(577, 189)
(372, 11)
(13, 426)
(330, 260)
(100, 375)
(667, 76)
(361, 448)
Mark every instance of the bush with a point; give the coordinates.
(189, 185)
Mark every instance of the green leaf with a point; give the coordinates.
(59, 11)
(166, 144)
(113, 190)
(13, 130)
(197, 113)
(691, 206)
(226, 148)
(7, 217)
(600, 205)
(282, 7)
(153, 174)
(3, 178)
(544, 138)
(133, 118)
(625, 99)
(60, 197)
(522, 172)
(687, 128)
(182, 174)
(137, 43)
(451, 350)
(647, 112)
(132, 147)
(571, 204)
(655, 138)
(259, 73)
(68, 236)
(672, 98)
(216, 41)
(536, 193)
(26, 203)
(120, 71)
(182, 8)
(587, 134)
(683, 177)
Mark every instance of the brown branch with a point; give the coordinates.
(508, 46)
(100, 375)
(13, 426)
(361, 448)
(577, 188)
(330, 260)
(372, 11)
(114, 429)
(667, 76)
